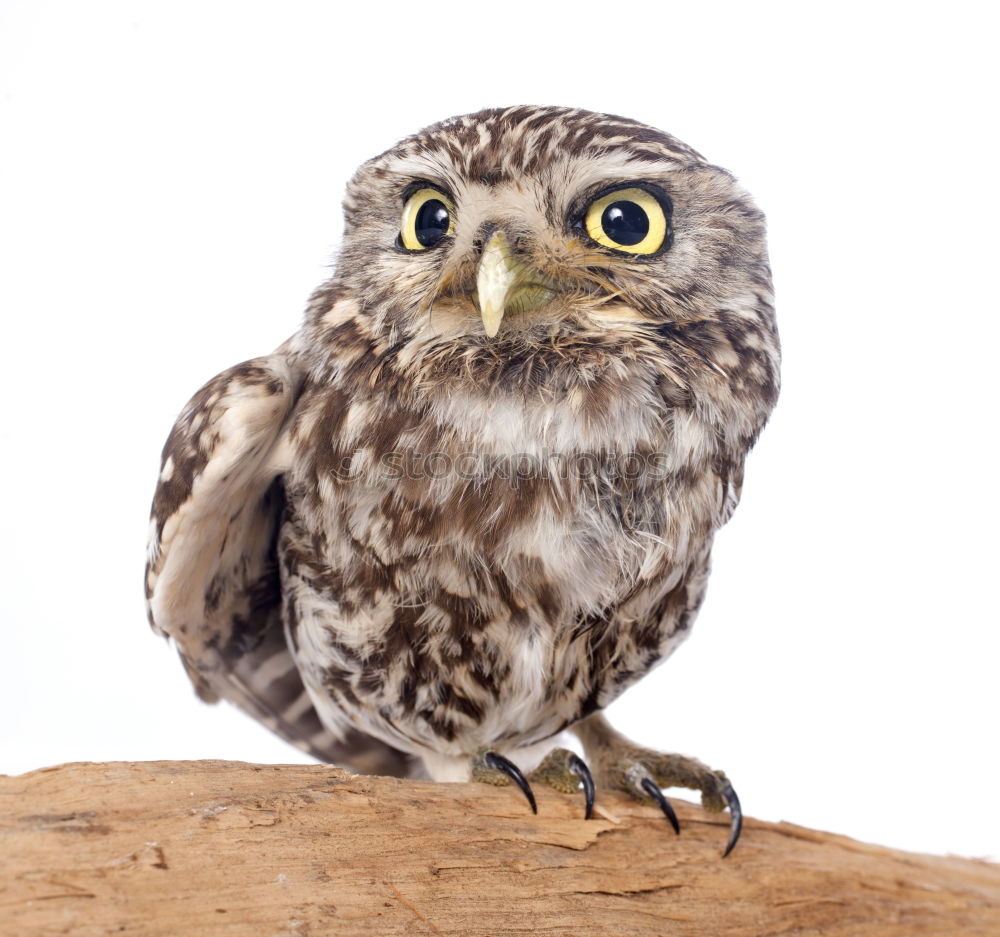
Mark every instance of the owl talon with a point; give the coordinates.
(566, 771)
(651, 788)
(622, 765)
(496, 762)
(579, 767)
(737, 817)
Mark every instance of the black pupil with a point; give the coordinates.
(625, 222)
(431, 223)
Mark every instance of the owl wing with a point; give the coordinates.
(212, 582)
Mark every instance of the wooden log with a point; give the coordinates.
(213, 847)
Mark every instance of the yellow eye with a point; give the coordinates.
(427, 218)
(631, 220)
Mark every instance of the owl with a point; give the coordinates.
(473, 498)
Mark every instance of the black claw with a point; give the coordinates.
(493, 760)
(737, 814)
(579, 767)
(649, 786)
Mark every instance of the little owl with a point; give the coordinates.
(473, 498)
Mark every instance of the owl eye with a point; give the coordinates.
(631, 220)
(427, 218)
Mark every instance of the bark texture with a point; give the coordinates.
(212, 847)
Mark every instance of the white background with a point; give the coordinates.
(170, 177)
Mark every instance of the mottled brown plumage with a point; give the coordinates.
(399, 538)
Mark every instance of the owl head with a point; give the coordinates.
(543, 248)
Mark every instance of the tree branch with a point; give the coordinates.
(213, 847)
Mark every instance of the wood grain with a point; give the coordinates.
(213, 847)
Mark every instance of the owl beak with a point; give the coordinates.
(507, 283)
(498, 274)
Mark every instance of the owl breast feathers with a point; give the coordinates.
(473, 498)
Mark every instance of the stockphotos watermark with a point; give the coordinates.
(515, 467)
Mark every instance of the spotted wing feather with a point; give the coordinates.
(212, 581)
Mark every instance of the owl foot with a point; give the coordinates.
(566, 771)
(656, 771)
(622, 765)
(492, 768)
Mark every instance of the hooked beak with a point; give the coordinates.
(504, 280)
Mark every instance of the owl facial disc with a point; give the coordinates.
(505, 281)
